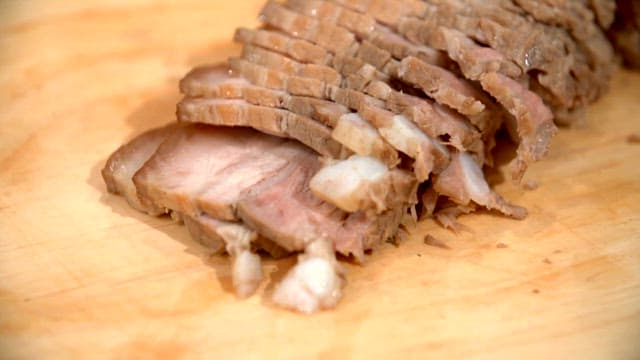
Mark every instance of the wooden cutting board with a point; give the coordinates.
(84, 276)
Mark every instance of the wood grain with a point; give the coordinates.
(84, 276)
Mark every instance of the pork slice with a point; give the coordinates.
(386, 11)
(203, 169)
(363, 183)
(277, 80)
(534, 119)
(214, 81)
(429, 155)
(560, 65)
(127, 160)
(334, 38)
(473, 59)
(400, 48)
(578, 20)
(434, 119)
(299, 50)
(355, 22)
(271, 121)
(353, 99)
(284, 209)
(373, 54)
(357, 73)
(441, 85)
(289, 66)
(463, 181)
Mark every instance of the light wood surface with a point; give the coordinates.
(84, 276)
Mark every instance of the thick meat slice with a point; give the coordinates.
(473, 59)
(534, 119)
(463, 181)
(271, 121)
(284, 209)
(363, 183)
(127, 160)
(205, 169)
(441, 85)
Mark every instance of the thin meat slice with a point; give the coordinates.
(473, 59)
(355, 22)
(289, 66)
(364, 183)
(271, 121)
(300, 50)
(277, 80)
(386, 11)
(463, 181)
(534, 119)
(127, 160)
(441, 85)
(334, 38)
(434, 119)
(400, 48)
(214, 81)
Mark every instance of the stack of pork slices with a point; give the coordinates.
(340, 118)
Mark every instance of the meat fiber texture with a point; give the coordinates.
(342, 120)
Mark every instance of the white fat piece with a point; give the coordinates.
(246, 269)
(474, 180)
(347, 183)
(407, 137)
(358, 135)
(314, 283)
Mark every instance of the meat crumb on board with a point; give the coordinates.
(432, 241)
